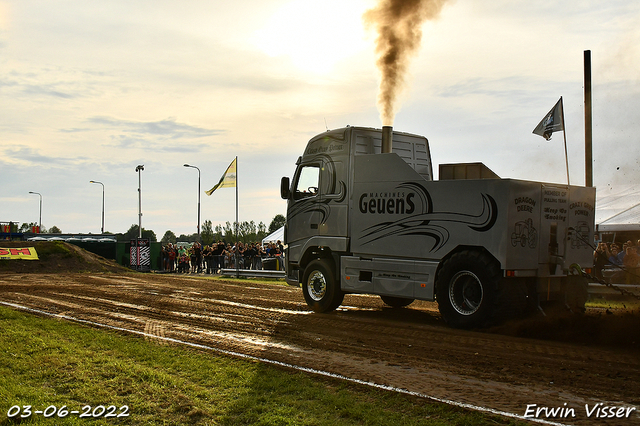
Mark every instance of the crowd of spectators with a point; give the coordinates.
(621, 263)
(211, 259)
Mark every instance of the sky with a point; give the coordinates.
(91, 89)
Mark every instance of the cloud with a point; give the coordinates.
(7, 83)
(47, 90)
(478, 86)
(30, 155)
(168, 128)
(47, 82)
(75, 130)
(129, 142)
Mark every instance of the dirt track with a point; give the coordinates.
(406, 348)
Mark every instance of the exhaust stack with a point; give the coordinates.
(387, 139)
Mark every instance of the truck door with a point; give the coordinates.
(304, 212)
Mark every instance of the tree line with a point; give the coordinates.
(27, 227)
(248, 232)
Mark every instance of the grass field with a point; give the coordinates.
(53, 366)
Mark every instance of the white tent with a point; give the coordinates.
(618, 209)
(277, 235)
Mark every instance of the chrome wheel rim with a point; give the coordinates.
(466, 293)
(317, 285)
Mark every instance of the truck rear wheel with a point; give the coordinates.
(320, 288)
(396, 302)
(467, 289)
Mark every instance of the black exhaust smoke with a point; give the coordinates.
(398, 24)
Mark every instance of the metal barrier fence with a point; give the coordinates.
(258, 273)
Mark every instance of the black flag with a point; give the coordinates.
(552, 122)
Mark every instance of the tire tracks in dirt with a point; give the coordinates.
(407, 348)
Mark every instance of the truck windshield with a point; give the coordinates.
(308, 182)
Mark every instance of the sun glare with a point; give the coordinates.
(314, 34)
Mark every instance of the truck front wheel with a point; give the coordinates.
(320, 288)
(467, 289)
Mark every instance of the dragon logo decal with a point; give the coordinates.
(422, 220)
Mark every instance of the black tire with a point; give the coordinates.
(396, 302)
(320, 288)
(467, 289)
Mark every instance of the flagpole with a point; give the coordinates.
(237, 265)
(564, 133)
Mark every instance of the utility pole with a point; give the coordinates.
(588, 125)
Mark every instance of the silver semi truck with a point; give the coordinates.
(364, 215)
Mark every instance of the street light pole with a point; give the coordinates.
(187, 165)
(40, 221)
(139, 169)
(93, 181)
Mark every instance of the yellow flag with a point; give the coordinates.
(228, 179)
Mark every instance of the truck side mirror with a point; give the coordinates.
(284, 188)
